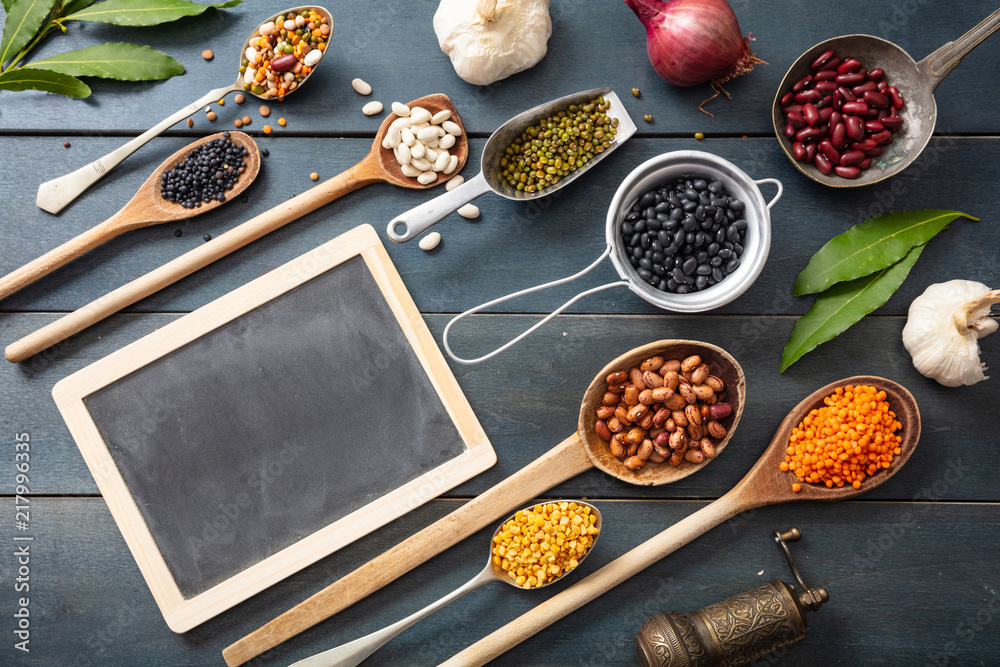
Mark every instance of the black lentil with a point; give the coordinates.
(265, 152)
(686, 235)
(207, 237)
(205, 174)
(178, 233)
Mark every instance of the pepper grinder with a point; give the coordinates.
(735, 631)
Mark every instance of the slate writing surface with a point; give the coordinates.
(274, 425)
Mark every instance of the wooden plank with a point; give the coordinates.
(593, 44)
(884, 564)
(546, 239)
(528, 398)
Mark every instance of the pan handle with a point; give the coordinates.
(939, 64)
(536, 288)
(781, 189)
(418, 220)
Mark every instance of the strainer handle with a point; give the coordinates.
(776, 182)
(536, 288)
(418, 220)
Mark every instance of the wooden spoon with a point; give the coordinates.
(378, 166)
(579, 452)
(145, 209)
(765, 484)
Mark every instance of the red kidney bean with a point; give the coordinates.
(855, 129)
(863, 88)
(826, 86)
(882, 113)
(864, 164)
(808, 96)
(877, 100)
(797, 119)
(864, 144)
(825, 75)
(822, 164)
(873, 126)
(810, 113)
(855, 108)
(882, 86)
(883, 137)
(835, 117)
(849, 65)
(838, 100)
(808, 133)
(851, 158)
(838, 135)
(787, 98)
(825, 113)
(876, 74)
(893, 112)
(825, 102)
(799, 151)
(810, 152)
(846, 94)
(831, 153)
(892, 123)
(850, 79)
(822, 59)
(789, 129)
(874, 152)
(897, 99)
(801, 84)
(872, 113)
(847, 172)
(831, 64)
(792, 107)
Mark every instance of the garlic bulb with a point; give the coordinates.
(488, 40)
(943, 328)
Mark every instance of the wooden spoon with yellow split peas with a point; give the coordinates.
(535, 547)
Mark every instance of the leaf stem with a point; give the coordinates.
(42, 34)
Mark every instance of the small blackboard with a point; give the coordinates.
(271, 427)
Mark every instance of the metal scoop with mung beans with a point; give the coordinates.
(57, 194)
(491, 176)
(353, 653)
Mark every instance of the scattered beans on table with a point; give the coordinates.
(372, 108)
(264, 110)
(699, 135)
(66, 144)
(663, 410)
(470, 211)
(841, 115)
(267, 129)
(178, 233)
(648, 118)
(207, 54)
(190, 123)
(545, 542)
(284, 53)
(207, 237)
(205, 174)
(246, 120)
(635, 91)
(361, 87)
(211, 115)
(238, 123)
(686, 235)
(282, 122)
(454, 182)
(558, 145)
(314, 176)
(420, 141)
(239, 99)
(430, 241)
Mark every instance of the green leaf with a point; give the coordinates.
(838, 308)
(125, 62)
(73, 6)
(873, 245)
(142, 12)
(51, 82)
(7, 4)
(24, 19)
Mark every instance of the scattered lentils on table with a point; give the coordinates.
(205, 174)
(285, 52)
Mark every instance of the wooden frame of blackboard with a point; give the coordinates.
(182, 614)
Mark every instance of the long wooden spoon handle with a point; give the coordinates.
(56, 257)
(251, 230)
(567, 459)
(609, 576)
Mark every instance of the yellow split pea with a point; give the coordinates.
(545, 542)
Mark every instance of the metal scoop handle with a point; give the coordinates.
(418, 220)
(939, 64)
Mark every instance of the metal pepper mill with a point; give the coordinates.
(735, 631)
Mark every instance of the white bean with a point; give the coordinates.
(417, 149)
(430, 241)
(419, 126)
(447, 141)
(289, 25)
(433, 143)
(452, 128)
(442, 161)
(371, 108)
(410, 170)
(407, 136)
(427, 178)
(430, 154)
(393, 136)
(312, 58)
(386, 144)
(452, 163)
(440, 117)
(401, 123)
(454, 182)
(469, 211)
(420, 163)
(427, 134)
(403, 154)
(420, 115)
(400, 109)
(251, 55)
(248, 76)
(267, 29)
(361, 87)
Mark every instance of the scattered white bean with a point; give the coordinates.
(430, 241)
(469, 211)
(427, 178)
(312, 58)
(428, 133)
(447, 141)
(454, 182)
(420, 115)
(410, 170)
(417, 149)
(407, 136)
(393, 136)
(452, 163)
(400, 109)
(443, 159)
(371, 108)
(420, 163)
(441, 116)
(452, 128)
(403, 155)
(361, 87)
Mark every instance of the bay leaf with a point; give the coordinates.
(24, 19)
(73, 6)
(142, 12)
(871, 246)
(121, 61)
(7, 4)
(844, 304)
(40, 79)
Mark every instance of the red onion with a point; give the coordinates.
(694, 41)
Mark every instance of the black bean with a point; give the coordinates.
(643, 273)
(677, 214)
(715, 261)
(703, 270)
(647, 199)
(644, 242)
(664, 237)
(740, 224)
(649, 213)
(704, 199)
(733, 265)
(640, 226)
(634, 240)
(691, 195)
(662, 207)
(690, 206)
(738, 249)
(654, 225)
(633, 216)
(674, 200)
(700, 184)
(713, 249)
(662, 285)
(689, 238)
(645, 263)
(720, 215)
(657, 257)
(702, 257)
(671, 285)
(683, 289)
(690, 264)
(637, 252)
(717, 274)
(678, 275)
(736, 205)
(720, 236)
(628, 229)
(701, 238)
(732, 234)
(701, 282)
(715, 187)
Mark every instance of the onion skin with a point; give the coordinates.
(691, 42)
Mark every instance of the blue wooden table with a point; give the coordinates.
(912, 567)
